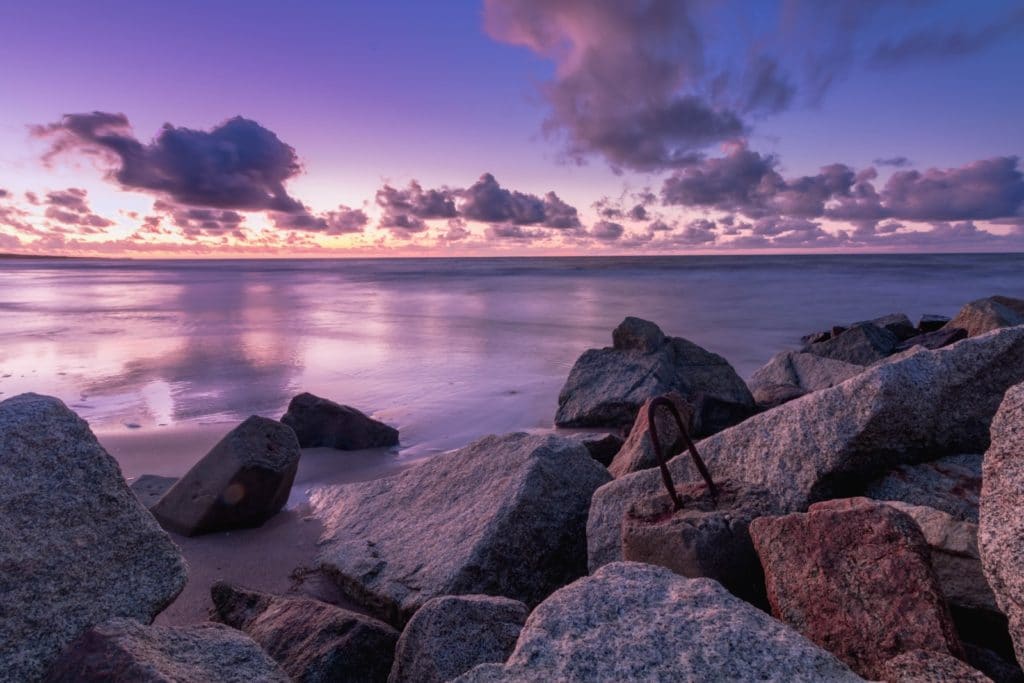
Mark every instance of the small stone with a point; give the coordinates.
(319, 422)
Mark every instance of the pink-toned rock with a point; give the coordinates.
(925, 666)
(637, 453)
(854, 577)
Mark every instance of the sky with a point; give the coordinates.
(510, 127)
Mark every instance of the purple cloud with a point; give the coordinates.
(70, 207)
(488, 202)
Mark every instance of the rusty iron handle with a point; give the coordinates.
(666, 476)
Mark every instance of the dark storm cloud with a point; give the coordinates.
(237, 165)
(70, 207)
(487, 201)
(935, 43)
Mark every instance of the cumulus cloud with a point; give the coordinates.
(70, 207)
(607, 231)
(237, 165)
(406, 211)
(487, 201)
(341, 221)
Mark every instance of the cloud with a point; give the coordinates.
(70, 207)
(738, 181)
(406, 211)
(516, 233)
(895, 162)
(237, 165)
(985, 189)
(607, 231)
(936, 44)
(341, 221)
(486, 201)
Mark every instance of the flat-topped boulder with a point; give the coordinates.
(854, 576)
(312, 641)
(76, 546)
(123, 651)
(503, 516)
(1001, 528)
(991, 313)
(241, 483)
(860, 344)
(792, 374)
(319, 422)
(606, 387)
(921, 406)
(450, 635)
(631, 621)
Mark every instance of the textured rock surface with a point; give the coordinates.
(854, 576)
(76, 546)
(928, 666)
(503, 516)
(1001, 529)
(930, 322)
(954, 555)
(124, 650)
(934, 340)
(606, 387)
(791, 374)
(314, 642)
(897, 323)
(632, 621)
(450, 635)
(149, 488)
(602, 447)
(707, 538)
(861, 344)
(637, 453)
(242, 482)
(922, 406)
(321, 422)
(951, 484)
(985, 315)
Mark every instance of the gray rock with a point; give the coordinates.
(125, 651)
(1001, 528)
(149, 488)
(792, 374)
(76, 546)
(985, 315)
(951, 484)
(632, 621)
(637, 453)
(502, 516)
(606, 387)
(897, 323)
(928, 666)
(314, 642)
(321, 422)
(241, 483)
(924, 405)
(450, 635)
(602, 447)
(861, 344)
(934, 340)
(930, 322)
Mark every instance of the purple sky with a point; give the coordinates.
(510, 127)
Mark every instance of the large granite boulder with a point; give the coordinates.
(76, 546)
(313, 641)
(854, 576)
(928, 666)
(985, 315)
(606, 387)
(951, 484)
(921, 406)
(861, 344)
(321, 422)
(125, 651)
(792, 374)
(241, 483)
(632, 621)
(450, 635)
(505, 515)
(637, 453)
(1001, 528)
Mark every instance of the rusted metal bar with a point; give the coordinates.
(666, 476)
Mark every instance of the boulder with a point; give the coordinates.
(606, 387)
(792, 374)
(897, 323)
(708, 537)
(241, 483)
(76, 546)
(815, 337)
(934, 340)
(313, 642)
(928, 666)
(951, 484)
(602, 447)
(319, 422)
(125, 651)
(149, 488)
(450, 635)
(930, 322)
(985, 315)
(631, 621)
(861, 344)
(922, 406)
(637, 453)
(505, 515)
(854, 576)
(1001, 528)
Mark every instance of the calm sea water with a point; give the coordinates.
(446, 349)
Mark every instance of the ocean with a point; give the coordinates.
(447, 350)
